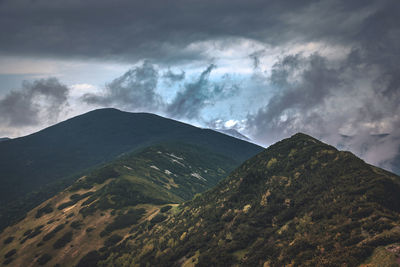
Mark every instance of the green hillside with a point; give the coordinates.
(298, 203)
(100, 208)
(33, 168)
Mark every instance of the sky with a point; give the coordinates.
(266, 68)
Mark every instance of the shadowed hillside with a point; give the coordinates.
(34, 167)
(102, 207)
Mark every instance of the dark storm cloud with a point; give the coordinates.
(195, 96)
(352, 88)
(163, 30)
(303, 83)
(356, 92)
(134, 90)
(326, 98)
(26, 106)
(255, 56)
(172, 77)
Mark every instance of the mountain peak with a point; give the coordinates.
(68, 148)
(104, 110)
(299, 202)
(297, 142)
(301, 135)
(305, 138)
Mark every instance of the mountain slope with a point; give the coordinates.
(38, 163)
(101, 207)
(300, 203)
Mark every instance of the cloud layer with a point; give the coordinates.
(135, 90)
(41, 100)
(166, 30)
(266, 68)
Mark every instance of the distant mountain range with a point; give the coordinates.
(298, 203)
(4, 139)
(35, 167)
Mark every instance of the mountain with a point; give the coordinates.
(33, 168)
(233, 133)
(4, 139)
(298, 203)
(100, 207)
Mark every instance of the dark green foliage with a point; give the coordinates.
(42, 260)
(158, 218)
(52, 233)
(165, 208)
(89, 200)
(8, 261)
(31, 233)
(89, 229)
(27, 232)
(121, 221)
(66, 204)
(45, 210)
(112, 240)
(385, 192)
(98, 176)
(89, 260)
(74, 199)
(70, 215)
(122, 192)
(16, 210)
(77, 197)
(65, 151)
(76, 224)
(65, 239)
(88, 210)
(8, 240)
(10, 253)
(299, 202)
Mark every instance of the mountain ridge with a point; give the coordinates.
(35, 166)
(106, 202)
(299, 202)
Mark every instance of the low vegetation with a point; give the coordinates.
(62, 241)
(300, 203)
(45, 210)
(123, 220)
(53, 232)
(133, 194)
(42, 260)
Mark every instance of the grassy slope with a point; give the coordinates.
(148, 179)
(300, 203)
(35, 167)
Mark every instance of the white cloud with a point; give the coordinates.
(230, 123)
